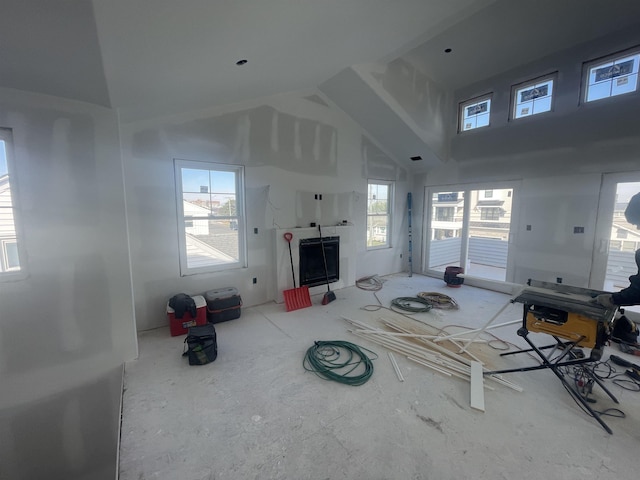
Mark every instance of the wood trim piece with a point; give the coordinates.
(477, 390)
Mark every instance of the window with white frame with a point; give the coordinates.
(490, 213)
(379, 195)
(211, 221)
(532, 98)
(445, 214)
(10, 257)
(10, 252)
(611, 76)
(475, 113)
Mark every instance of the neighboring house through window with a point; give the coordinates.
(490, 213)
(10, 252)
(211, 225)
(445, 214)
(379, 198)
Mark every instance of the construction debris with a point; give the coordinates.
(396, 368)
(413, 340)
(439, 300)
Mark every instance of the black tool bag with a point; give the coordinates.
(624, 330)
(201, 344)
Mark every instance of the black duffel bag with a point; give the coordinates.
(201, 344)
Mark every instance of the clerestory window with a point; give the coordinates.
(611, 76)
(474, 113)
(533, 97)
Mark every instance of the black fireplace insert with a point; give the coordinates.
(312, 264)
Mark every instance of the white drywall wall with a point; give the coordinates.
(67, 326)
(292, 146)
(559, 157)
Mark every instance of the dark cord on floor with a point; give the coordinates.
(340, 361)
(407, 304)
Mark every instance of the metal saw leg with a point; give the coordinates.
(554, 368)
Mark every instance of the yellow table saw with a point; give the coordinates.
(571, 316)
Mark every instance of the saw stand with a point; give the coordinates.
(567, 358)
(565, 351)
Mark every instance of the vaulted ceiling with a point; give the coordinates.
(153, 57)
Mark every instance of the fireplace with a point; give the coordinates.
(312, 272)
(343, 274)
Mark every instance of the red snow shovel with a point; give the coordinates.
(295, 298)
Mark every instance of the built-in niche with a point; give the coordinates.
(312, 268)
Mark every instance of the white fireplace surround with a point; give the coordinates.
(283, 264)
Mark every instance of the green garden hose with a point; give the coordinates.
(405, 304)
(340, 361)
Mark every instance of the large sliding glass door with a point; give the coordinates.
(446, 222)
(470, 228)
(616, 239)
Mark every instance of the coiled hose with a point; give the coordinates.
(405, 304)
(340, 361)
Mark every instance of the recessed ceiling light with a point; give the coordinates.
(448, 50)
(416, 158)
(241, 62)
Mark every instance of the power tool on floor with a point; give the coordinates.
(633, 369)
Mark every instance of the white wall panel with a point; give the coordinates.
(67, 326)
(293, 147)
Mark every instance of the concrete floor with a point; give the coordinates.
(256, 414)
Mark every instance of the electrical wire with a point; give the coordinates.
(371, 283)
(584, 385)
(375, 308)
(620, 379)
(339, 361)
(439, 300)
(405, 304)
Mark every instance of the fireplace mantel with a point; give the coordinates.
(283, 264)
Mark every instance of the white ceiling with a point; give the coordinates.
(153, 57)
(168, 54)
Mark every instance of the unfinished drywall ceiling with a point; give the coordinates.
(52, 48)
(152, 57)
(163, 55)
(357, 98)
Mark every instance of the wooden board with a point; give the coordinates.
(477, 388)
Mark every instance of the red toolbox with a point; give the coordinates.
(180, 326)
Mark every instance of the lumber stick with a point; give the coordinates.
(423, 355)
(477, 390)
(431, 345)
(396, 368)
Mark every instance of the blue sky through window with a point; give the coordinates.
(208, 185)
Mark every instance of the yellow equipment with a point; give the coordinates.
(571, 314)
